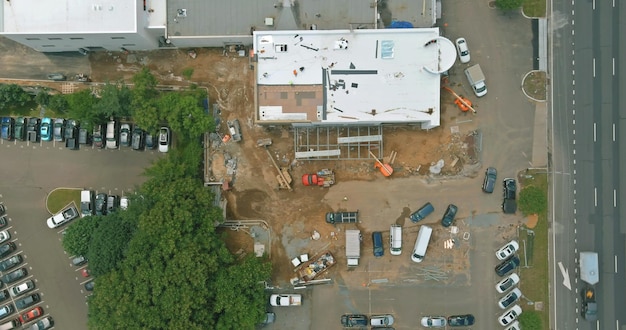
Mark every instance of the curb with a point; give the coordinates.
(524, 91)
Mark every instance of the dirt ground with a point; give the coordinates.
(229, 80)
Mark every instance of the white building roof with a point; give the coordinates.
(69, 16)
(343, 76)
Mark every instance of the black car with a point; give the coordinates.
(101, 204)
(27, 301)
(14, 275)
(3, 221)
(137, 139)
(32, 129)
(448, 216)
(112, 203)
(6, 248)
(507, 266)
(83, 136)
(3, 210)
(98, 140)
(509, 204)
(422, 212)
(8, 128)
(71, 129)
(10, 262)
(89, 285)
(20, 128)
(490, 180)
(150, 141)
(461, 320)
(353, 320)
(4, 294)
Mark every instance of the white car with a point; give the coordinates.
(510, 315)
(124, 202)
(461, 47)
(278, 300)
(381, 320)
(510, 298)
(433, 321)
(164, 139)
(507, 283)
(514, 326)
(4, 236)
(507, 250)
(22, 288)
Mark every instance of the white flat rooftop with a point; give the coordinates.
(343, 76)
(68, 16)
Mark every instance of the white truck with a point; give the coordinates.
(589, 274)
(476, 78)
(353, 247)
(280, 300)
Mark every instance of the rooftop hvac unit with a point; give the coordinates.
(269, 21)
(182, 13)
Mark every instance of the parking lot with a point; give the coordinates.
(30, 172)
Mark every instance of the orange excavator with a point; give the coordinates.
(463, 103)
(385, 169)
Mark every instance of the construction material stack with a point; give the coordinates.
(353, 247)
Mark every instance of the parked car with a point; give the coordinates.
(6, 248)
(101, 204)
(83, 136)
(3, 221)
(269, 318)
(507, 283)
(510, 298)
(46, 129)
(21, 288)
(490, 180)
(461, 47)
(111, 135)
(514, 326)
(507, 250)
(32, 129)
(353, 320)
(510, 315)
(8, 124)
(20, 128)
(3, 209)
(377, 321)
(31, 315)
(79, 260)
(507, 266)
(4, 236)
(124, 202)
(433, 321)
(57, 77)
(278, 300)
(98, 140)
(150, 141)
(125, 135)
(448, 216)
(27, 301)
(66, 215)
(43, 324)
(59, 129)
(377, 244)
(89, 285)
(11, 262)
(6, 310)
(137, 139)
(509, 204)
(112, 203)
(461, 320)
(14, 275)
(422, 212)
(71, 129)
(164, 139)
(4, 295)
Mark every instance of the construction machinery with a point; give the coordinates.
(463, 103)
(385, 169)
(283, 177)
(323, 178)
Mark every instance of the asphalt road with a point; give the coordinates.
(588, 116)
(29, 172)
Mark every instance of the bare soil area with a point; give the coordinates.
(292, 215)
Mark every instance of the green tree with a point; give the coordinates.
(530, 320)
(185, 116)
(78, 236)
(114, 101)
(508, 4)
(109, 242)
(143, 101)
(42, 98)
(58, 103)
(533, 200)
(80, 107)
(12, 95)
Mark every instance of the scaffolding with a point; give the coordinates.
(337, 142)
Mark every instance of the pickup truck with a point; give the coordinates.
(279, 300)
(68, 214)
(342, 217)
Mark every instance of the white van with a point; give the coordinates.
(395, 240)
(421, 244)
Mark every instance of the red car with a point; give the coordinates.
(31, 315)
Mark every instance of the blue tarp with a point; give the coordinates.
(400, 25)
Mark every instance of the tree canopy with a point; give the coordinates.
(12, 95)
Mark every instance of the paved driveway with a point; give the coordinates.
(29, 172)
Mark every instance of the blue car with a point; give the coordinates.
(7, 128)
(46, 129)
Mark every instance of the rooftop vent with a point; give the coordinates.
(181, 13)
